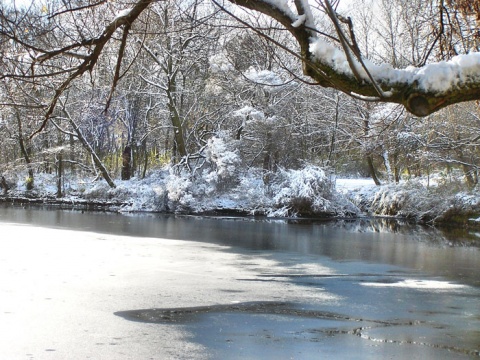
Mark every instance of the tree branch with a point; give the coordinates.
(116, 77)
(421, 91)
(99, 43)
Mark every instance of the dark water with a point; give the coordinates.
(389, 307)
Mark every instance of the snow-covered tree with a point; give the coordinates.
(185, 73)
(331, 59)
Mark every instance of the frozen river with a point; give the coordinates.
(105, 286)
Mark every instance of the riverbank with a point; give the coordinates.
(439, 204)
(303, 194)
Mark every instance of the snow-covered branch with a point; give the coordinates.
(422, 90)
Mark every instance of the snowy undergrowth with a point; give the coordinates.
(286, 193)
(219, 185)
(223, 185)
(414, 200)
(135, 194)
(221, 182)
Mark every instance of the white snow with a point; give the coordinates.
(418, 284)
(330, 55)
(436, 77)
(282, 5)
(263, 77)
(345, 185)
(220, 63)
(251, 113)
(122, 14)
(309, 20)
(300, 20)
(222, 156)
(59, 290)
(222, 182)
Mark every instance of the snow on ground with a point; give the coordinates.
(60, 289)
(346, 185)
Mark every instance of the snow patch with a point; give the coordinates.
(251, 113)
(219, 63)
(346, 185)
(122, 14)
(263, 77)
(282, 5)
(300, 21)
(436, 77)
(418, 284)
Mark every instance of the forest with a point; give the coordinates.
(251, 107)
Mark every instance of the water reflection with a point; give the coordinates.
(384, 241)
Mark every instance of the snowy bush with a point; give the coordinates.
(410, 200)
(250, 193)
(99, 190)
(140, 197)
(223, 155)
(177, 185)
(211, 184)
(302, 192)
(415, 201)
(135, 194)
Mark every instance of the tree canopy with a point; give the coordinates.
(64, 40)
(238, 95)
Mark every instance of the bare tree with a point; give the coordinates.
(332, 60)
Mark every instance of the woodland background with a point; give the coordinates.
(196, 112)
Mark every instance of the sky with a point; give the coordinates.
(24, 3)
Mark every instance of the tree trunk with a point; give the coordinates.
(127, 163)
(178, 136)
(88, 147)
(4, 185)
(467, 169)
(30, 180)
(369, 156)
(388, 166)
(371, 169)
(60, 175)
(469, 179)
(145, 158)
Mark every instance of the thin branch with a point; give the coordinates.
(354, 48)
(116, 77)
(89, 62)
(77, 9)
(29, 106)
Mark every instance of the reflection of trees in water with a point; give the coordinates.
(421, 233)
(454, 236)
